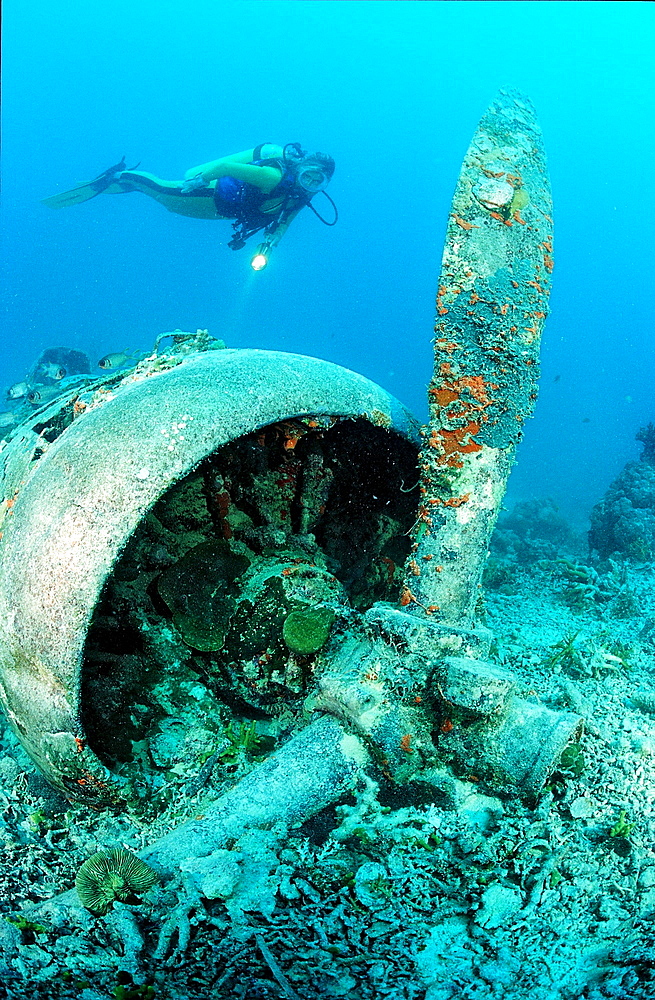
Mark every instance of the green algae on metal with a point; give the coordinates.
(200, 592)
(307, 630)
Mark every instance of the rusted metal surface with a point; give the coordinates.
(492, 302)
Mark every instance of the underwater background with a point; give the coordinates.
(392, 90)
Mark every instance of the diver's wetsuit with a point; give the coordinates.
(198, 204)
(225, 198)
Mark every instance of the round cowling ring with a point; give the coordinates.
(74, 498)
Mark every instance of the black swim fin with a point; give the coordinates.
(88, 190)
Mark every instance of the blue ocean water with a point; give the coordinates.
(394, 91)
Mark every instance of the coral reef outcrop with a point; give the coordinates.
(623, 522)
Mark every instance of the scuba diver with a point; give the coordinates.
(259, 189)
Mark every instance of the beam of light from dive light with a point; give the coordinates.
(259, 262)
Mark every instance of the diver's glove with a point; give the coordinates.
(194, 184)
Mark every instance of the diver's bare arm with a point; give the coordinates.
(274, 237)
(239, 165)
(206, 169)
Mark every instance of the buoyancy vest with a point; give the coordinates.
(235, 199)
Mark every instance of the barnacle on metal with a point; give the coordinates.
(111, 875)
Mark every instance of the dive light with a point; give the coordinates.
(260, 260)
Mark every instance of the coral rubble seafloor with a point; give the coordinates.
(420, 892)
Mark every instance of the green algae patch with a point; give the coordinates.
(306, 631)
(520, 199)
(199, 591)
(257, 623)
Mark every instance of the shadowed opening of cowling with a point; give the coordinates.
(203, 644)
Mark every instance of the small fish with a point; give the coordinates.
(586, 420)
(51, 370)
(42, 394)
(115, 360)
(18, 390)
(557, 378)
(7, 418)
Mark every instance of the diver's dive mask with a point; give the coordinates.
(312, 178)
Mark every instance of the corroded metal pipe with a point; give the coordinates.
(309, 772)
(492, 301)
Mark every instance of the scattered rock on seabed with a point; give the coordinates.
(436, 891)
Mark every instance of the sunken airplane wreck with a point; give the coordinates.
(217, 538)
